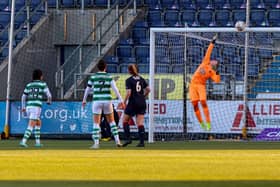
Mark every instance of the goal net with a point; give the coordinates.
(249, 83)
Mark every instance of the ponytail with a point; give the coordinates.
(132, 69)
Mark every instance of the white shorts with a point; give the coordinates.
(98, 107)
(33, 112)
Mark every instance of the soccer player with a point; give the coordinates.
(136, 91)
(33, 93)
(197, 89)
(101, 83)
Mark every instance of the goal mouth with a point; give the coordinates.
(244, 60)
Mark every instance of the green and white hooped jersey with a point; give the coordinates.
(34, 92)
(100, 83)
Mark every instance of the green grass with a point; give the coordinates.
(193, 163)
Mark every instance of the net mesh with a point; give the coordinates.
(178, 55)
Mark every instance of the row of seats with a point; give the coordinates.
(206, 18)
(187, 4)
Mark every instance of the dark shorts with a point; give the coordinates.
(133, 110)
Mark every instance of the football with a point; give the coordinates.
(240, 25)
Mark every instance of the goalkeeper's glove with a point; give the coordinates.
(213, 41)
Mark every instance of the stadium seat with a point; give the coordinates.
(167, 3)
(35, 3)
(151, 3)
(187, 4)
(19, 4)
(5, 17)
(143, 68)
(265, 53)
(111, 59)
(87, 3)
(124, 51)
(253, 71)
(220, 4)
(126, 41)
(238, 15)
(257, 4)
(203, 4)
(68, 3)
(177, 54)
(229, 52)
(101, 3)
(138, 34)
(143, 60)
(271, 3)
(142, 51)
(237, 4)
(161, 52)
(4, 4)
(171, 17)
(223, 18)
(274, 17)
(141, 24)
(20, 18)
(188, 17)
(196, 53)
(52, 3)
(22, 33)
(35, 17)
(127, 60)
(157, 24)
(112, 68)
(121, 2)
(258, 18)
(162, 68)
(154, 16)
(205, 18)
(4, 36)
(178, 68)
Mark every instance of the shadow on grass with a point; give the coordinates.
(139, 183)
(175, 145)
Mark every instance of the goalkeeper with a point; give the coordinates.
(197, 89)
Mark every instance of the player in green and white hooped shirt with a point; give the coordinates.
(100, 84)
(33, 93)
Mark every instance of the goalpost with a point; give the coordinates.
(244, 57)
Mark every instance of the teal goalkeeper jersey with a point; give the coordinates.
(100, 83)
(35, 91)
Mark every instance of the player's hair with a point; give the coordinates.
(101, 65)
(37, 74)
(133, 69)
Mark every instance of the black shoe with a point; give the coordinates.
(140, 145)
(126, 143)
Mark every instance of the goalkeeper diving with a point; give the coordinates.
(197, 89)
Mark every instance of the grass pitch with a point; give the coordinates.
(194, 163)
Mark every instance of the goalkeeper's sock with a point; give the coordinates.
(95, 133)
(37, 135)
(203, 125)
(114, 130)
(126, 129)
(141, 132)
(27, 134)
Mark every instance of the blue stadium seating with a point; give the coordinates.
(178, 68)
(111, 59)
(87, 3)
(177, 55)
(68, 3)
(5, 17)
(151, 3)
(4, 4)
(4, 53)
(120, 3)
(220, 4)
(124, 51)
(142, 51)
(274, 17)
(52, 3)
(35, 3)
(20, 19)
(205, 18)
(257, 4)
(167, 3)
(271, 3)
(238, 15)
(203, 4)
(19, 4)
(223, 18)
(143, 68)
(258, 18)
(237, 4)
(163, 68)
(265, 53)
(138, 34)
(35, 17)
(127, 60)
(196, 53)
(112, 68)
(126, 41)
(171, 17)
(161, 52)
(187, 4)
(188, 17)
(154, 16)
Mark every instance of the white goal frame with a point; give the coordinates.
(247, 30)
